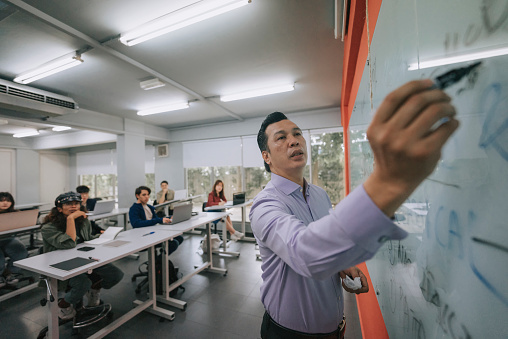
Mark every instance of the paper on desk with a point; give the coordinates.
(108, 235)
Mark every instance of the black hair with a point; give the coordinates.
(164, 182)
(142, 188)
(6, 196)
(58, 219)
(272, 118)
(82, 189)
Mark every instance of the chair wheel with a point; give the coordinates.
(43, 302)
(133, 279)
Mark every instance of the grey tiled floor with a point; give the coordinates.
(218, 306)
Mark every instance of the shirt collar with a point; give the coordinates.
(287, 186)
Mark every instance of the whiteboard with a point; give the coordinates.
(449, 278)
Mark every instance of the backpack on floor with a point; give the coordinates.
(172, 276)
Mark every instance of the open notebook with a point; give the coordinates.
(108, 235)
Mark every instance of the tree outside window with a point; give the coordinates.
(327, 161)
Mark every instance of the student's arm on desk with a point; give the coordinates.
(56, 238)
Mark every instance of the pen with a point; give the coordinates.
(452, 77)
(93, 258)
(149, 233)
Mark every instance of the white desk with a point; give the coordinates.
(184, 226)
(19, 230)
(113, 213)
(9, 233)
(30, 206)
(137, 242)
(229, 205)
(174, 201)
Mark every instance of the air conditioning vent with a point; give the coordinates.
(26, 99)
(25, 94)
(61, 103)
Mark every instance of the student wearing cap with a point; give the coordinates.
(63, 228)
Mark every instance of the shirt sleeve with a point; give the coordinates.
(211, 201)
(56, 238)
(349, 235)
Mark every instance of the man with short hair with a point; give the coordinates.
(308, 249)
(165, 194)
(86, 201)
(89, 204)
(141, 214)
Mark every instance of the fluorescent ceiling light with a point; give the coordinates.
(49, 68)
(458, 58)
(180, 18)
(26, 134)
(258, 92)
(151, 84)
(61, 128)
(162, 109)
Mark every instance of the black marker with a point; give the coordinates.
(453, 76)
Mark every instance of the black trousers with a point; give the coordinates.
(271, 330)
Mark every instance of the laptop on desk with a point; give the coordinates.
(102, 206)
(14, 220)
(181, 213)
(238, 198)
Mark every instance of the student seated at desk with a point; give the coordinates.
(217, 198)
(89, 204)
(165, 194)
(10, 247)
(142, 215)
(63, 228)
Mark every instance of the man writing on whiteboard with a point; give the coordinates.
(307, 248)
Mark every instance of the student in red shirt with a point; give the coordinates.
(217, 198)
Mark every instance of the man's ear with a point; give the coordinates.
(266, 157)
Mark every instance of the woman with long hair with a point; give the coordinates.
(10, 247)
(63, 228)
(217, 198)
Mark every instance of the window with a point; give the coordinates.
(327, 162)
(102, 186)
(150, 182)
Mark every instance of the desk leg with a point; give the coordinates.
(225, 243)
(249, 239)
(209, 252)
(151, 305)
(53, 331)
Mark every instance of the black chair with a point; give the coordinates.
(143, 272)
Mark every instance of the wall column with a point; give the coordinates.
(130, 148)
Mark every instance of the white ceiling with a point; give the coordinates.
(267, 42)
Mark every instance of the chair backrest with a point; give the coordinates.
(204, 205)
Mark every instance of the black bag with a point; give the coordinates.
(172, 276)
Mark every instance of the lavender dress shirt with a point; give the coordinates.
(305, 243)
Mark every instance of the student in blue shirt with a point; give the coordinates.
(141, 214)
